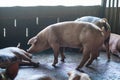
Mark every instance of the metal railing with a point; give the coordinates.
(18, 24)
(112, 13)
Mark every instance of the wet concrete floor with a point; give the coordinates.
(99, 70)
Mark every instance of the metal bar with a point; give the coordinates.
(103, 4)
(37, 20)
(4, 32)
(15, 22)
(117, 16)
(112, 16)
(26, 32)
(109, 10)
(58, 19)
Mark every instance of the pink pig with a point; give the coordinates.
(114, 44)
(69, 34)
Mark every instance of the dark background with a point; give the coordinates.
(26, 18)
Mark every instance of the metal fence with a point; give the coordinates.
(18, 24)
(112, 13)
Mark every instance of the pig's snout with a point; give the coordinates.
(28, 43)
(31, 48)
(28, 50)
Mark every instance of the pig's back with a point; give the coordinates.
(67, 33)
(71, 33)
(114, 38)
(88, 19)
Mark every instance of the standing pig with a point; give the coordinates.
(99, 22)
(69, 34)
(114, 44)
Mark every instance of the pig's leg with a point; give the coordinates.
(26, 58)
(97, 55)
(94, 55)
(62, 54)
(107, 47)
(55, 48)
(86, 56)
(26, 53)
(29, 55)
(27, 63)
(107, 50)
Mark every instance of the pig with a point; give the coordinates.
(9, 55)
(114, 44)
(11, 58)
(11, 71)
(99, 22)
(69, 34)
(75, 75)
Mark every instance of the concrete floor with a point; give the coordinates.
(99, 70)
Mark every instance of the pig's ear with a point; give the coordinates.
(104, 19)
(69, 73)
(18, 45)
(32, 40)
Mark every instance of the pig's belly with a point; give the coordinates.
(69, 41)
(71, 45)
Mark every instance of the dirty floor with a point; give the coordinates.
(99, 70)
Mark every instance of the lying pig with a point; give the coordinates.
(114, 44)
(10, 54)
(69, 34)
(99, 22)
(75, 75)
(10, 72)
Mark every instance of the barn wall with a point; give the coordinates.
(112, 13)
(16, 22)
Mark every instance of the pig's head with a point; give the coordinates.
(33, 43)
(74, 75)
(38, 43)
(103, 24)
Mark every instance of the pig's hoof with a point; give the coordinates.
(36, 65)
(87, 65)
(96, 58)
(53, 65)
(63, 60)
(79, 70)
(108, 60)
